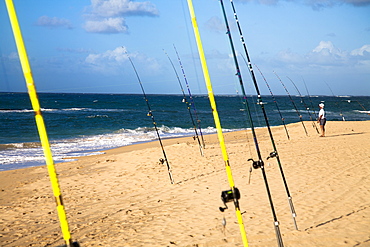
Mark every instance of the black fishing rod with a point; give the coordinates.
(274, 153)
(309, 97)
(232, 195)
(150, 114)
(336, 103)
(258, 163)
(187, 105)
(307, 108)
(294, 105)
(273, 97)
(190, 96)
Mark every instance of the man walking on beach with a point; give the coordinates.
(322, 119)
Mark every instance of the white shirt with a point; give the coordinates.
(322, 113)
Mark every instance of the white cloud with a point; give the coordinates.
(106, 25)
(315, 4)
(109, 8)
(13, 56)
(53, 22)
(361, 51)
(326, 48)
(113, 61)
(288, 56)
(108, 16)
(326, 55)
(215, 24)
(109, 57)
(266, 2)
(336, 2)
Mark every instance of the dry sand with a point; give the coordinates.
(124, 197)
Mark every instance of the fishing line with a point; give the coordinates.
(242, 102)
(253, 99)
(187, 105)
(336, 103)
(257, 110)
(40, 124)
(273, 98)
(304, 103)
(309, 97)
(294, 105)
(247, 135)
(191, 49)
(233, 194)
(5, 74)
(259, 163)
(190, 96)
(150, 114)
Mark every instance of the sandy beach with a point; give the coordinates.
(124, 197)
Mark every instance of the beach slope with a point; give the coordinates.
(124, 197)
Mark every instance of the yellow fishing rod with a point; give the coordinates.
(232, 194)
(39, 122)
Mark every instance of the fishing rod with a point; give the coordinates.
(273, 97)
(294, 105)
(190, 96)
(40, 124)
(187, 105)
(259, 163)
(232, 195)
(304, 103)
(150, 114)
(336, 103)
(275, 152)
(363, 107)
(309, 97)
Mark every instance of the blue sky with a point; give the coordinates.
(79, 46)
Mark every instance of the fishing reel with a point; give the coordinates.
(273, 155)
(256, 163)
(228, 196)
(161, 161)
(73, 244)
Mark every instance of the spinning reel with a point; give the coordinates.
(73, 244)
(228, 196)
(273, 155)
(256, 163)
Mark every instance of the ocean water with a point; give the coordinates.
(87, 124)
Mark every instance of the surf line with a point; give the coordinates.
(305, 105)
(294, 105)
(191, 97)
(233, 194)
(273, 98)
(150, 114)
(40, 123)
(258, 163)
(187, 104)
